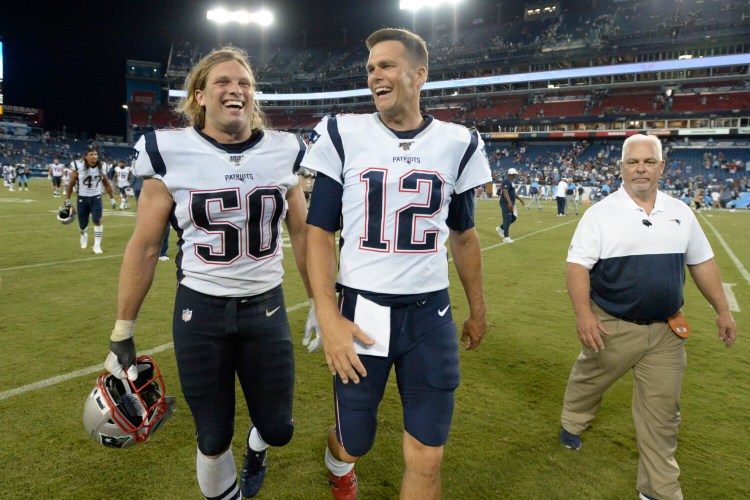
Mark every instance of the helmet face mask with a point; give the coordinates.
(66, 215)
(120, 413)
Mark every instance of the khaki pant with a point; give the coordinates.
(657, 357)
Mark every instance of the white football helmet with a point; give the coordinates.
(121, 413)
(66, 215)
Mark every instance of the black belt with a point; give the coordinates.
(636, 321)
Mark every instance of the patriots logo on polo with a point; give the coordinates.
(236, 159)
(406, 146)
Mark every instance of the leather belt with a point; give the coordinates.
(636, 321)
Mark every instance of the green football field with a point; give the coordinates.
(58, 305)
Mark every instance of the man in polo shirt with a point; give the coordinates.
(626, 272)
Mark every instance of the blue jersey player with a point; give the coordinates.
(398, 185)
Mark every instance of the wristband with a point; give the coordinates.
(123, 330)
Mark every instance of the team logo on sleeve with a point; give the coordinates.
(134, 154)
(314, 136)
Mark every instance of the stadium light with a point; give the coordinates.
(418, 4)
(223, 16)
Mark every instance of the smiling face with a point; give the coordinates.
(642, 167)
(395, 82)
(228, 101)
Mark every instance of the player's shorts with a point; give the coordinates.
(21, 178)
(89, 205)
(216, 337)
(123, 189)
(56, 181)
(424, 350)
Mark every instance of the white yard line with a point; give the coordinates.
(98, 368)
(731, 254)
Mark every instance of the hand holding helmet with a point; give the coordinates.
(121, 359)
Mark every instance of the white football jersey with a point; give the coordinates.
(57, 169)
(122, 174)
(89, 178)
(396, 198)
(229, 206)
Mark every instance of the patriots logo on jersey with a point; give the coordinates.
(134, 154)
(314, 136)
(406, 146)
(236, 159)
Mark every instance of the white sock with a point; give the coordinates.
(337, 467)
(217, 477)
(256, 442)
(98, 231)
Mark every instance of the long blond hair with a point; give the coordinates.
(197, 79)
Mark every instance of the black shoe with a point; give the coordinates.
(253, 472)
(570, 440)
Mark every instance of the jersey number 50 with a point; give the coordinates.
(263, 210)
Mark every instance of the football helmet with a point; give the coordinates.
(122, 413)
(66, 215)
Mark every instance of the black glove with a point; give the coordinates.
(121, 360)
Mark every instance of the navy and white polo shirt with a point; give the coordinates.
(637, 268)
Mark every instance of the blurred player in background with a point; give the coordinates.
(22, 172)
(398, 185)
(56, 175)
(123, 175)
(226, 184)
(89, 177)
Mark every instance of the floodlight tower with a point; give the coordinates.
(416, 5)
(221, 17)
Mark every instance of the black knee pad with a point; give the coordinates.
(214, 441)
(277, 434)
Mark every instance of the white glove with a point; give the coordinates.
(313, 344)
(121, 360)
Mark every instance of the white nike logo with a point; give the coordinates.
(441, 312)
(272, 311)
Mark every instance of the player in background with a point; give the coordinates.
(226, 184)
(399, 185)
(11, 178)
(22, 173)
(123, 175)
(56, 175)
(89, 176)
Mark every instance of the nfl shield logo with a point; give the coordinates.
(187, 314)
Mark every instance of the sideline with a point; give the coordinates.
(99, 367)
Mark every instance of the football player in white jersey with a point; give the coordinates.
(56, 175)
(398, 185)
(123, 175)
(89, 177)
(225, 184)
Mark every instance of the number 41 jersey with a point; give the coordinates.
(396, 195)
(229, 205)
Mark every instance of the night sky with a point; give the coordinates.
(68, 58)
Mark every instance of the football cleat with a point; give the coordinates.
(122, 413)
(343, 487)
(253, 471)
(65, 215)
